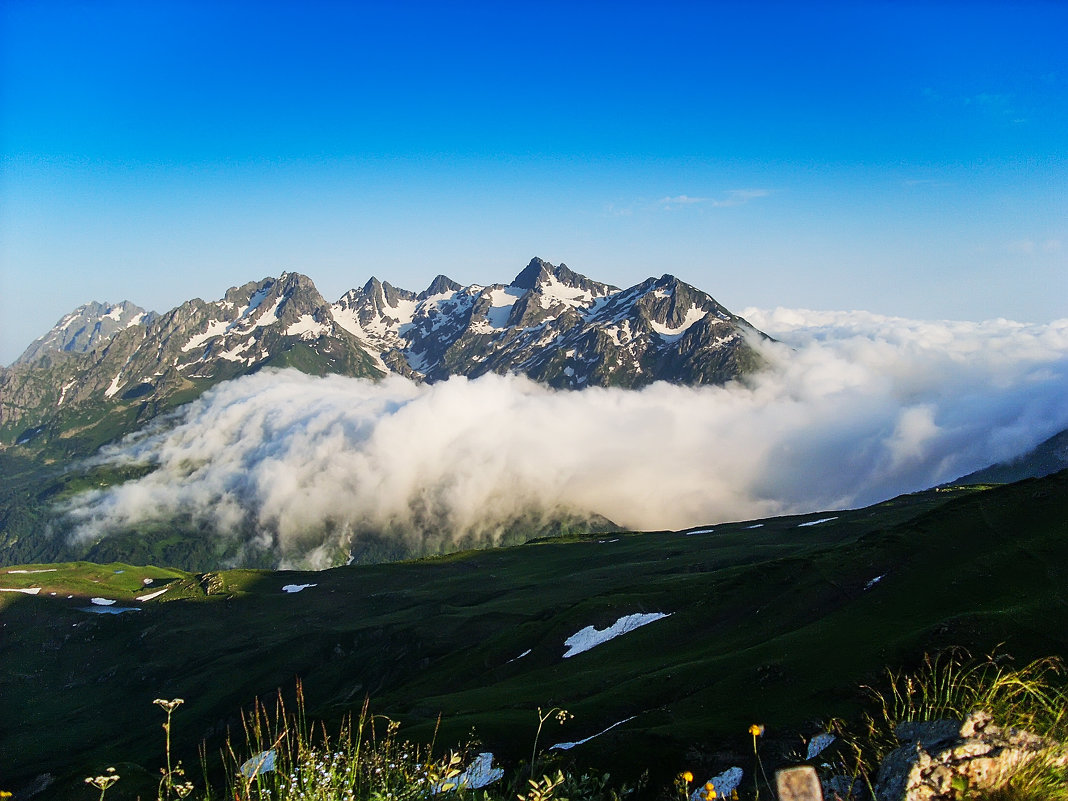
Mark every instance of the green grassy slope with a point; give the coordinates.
(777, 624)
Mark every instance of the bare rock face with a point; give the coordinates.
(105, 369)
(941, 756)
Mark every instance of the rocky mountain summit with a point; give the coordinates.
(554, 326)
(104, 369)
(87, 327)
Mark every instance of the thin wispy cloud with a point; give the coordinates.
(931, 183)
(735, 197)
(992, 100)
(682, 200)
(612, 210)
(1029, 247)
(739, 197)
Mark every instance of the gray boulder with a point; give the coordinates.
(939, 755)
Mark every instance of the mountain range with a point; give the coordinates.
(105, 369)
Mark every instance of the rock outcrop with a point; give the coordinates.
(942, 758)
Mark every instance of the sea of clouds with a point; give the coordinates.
(853, 409)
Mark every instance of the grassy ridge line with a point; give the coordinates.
(771, 623)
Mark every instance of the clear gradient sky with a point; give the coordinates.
(904, 158)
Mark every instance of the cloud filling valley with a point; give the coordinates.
(853, 408)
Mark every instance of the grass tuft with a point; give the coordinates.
(950, 685)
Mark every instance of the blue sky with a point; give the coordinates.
(907, 158)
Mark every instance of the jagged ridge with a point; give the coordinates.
(551, 324)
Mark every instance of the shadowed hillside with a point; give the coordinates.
(776, 620)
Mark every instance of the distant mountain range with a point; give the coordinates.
(103, 369)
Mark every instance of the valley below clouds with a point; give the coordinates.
(853, 408)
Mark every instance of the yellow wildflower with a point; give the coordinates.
(686, 776)
(710, 791)
(756, 730)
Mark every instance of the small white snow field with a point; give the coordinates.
(517, 658)
(589, 637)
(569, 746)
(817, 522)
(874, 581)
(297, 587)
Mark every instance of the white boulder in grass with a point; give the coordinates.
(725, 783)
(263, 762)
(480, 773)
(818, 743)
(101, 601)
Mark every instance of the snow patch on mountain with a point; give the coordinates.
(270, 316)
(554, 291)
(63, 392)
(502, 301)
(307, 327)
(114, 386)
(671, 334)
(235, 353)
(215, 328)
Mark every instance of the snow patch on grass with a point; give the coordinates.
(569, 746)
(817, 522)
(517, 658)
(589, 637)
(874, 581)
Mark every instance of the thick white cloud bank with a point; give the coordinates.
(854, 408)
